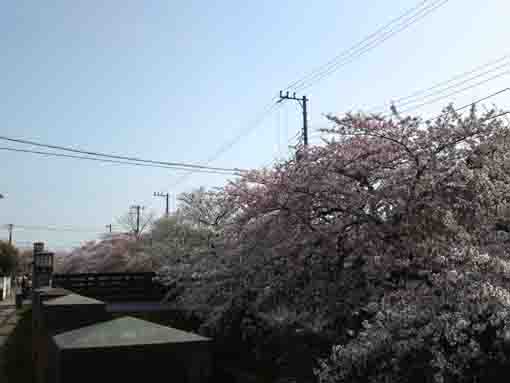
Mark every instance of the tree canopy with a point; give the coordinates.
(393, 234)
(418, 209)
(8, 258)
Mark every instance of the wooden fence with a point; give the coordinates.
(112, 287)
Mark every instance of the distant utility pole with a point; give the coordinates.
(165, 195)
(10, 227)
(301, 101)
(109, 227)
(137, 208)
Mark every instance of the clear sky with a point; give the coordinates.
(175, 80)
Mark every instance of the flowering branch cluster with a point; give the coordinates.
(423, 204)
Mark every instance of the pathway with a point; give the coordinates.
(8, 320)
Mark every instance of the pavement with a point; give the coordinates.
(8, 321)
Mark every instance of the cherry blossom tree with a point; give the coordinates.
(207, 208)
(113, 253)
(418, 209)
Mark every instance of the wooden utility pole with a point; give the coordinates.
(10, 227)
(164, 195)
(303, 102)
(137, 208)
(109, 227)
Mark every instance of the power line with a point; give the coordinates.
(316, 131)
(434, 100)
(413, 100)
(418, 12)
(353, 47)
(51, 154)
(369, 47)
(53, 228)
(497, 116)
(226, 146)
(483, 99)
(483, 120)
(119, 157)
(368, 44)
(440, 84)
(26, 244)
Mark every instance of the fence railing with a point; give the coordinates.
(112, 287)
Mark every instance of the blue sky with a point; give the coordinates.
(173, 81)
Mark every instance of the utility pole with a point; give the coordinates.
(138, 208)
(10, 227)
(165, 195)
(109, 227)
(303, 102)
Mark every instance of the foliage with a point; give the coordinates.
(206, 208)
(8, 258)
(392, 237)
(114, 253)
(177, 245)
(411, 207)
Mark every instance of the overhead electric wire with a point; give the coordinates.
(487, 119)
(409, 17)
(417, 99)
(54, 228)
(370, 46)
(475, 103)
(434, 100)
(27, 244)
(497, 116)
(226, 146)
(115, 156)
(105, 160)
(347, 57)
(483, 99)
(440, 84)
(353, 47)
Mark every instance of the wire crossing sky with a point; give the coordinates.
(194, 82)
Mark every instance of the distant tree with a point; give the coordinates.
(129, 222)
(25, 259)
(8, 258)
(113, 253)
(206, 208)
(177, 235)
